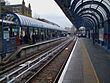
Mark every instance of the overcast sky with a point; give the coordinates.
(47, 9)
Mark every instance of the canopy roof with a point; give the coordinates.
(5, 21)
(27, 21)
(86, 12)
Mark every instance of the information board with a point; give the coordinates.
(101, 34)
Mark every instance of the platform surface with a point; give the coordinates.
(86, 64)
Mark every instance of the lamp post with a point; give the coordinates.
(0, 8)
(3, 51)
(0, 32)
(2, 36)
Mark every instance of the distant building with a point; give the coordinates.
(17, 8)
(2, 2)
(71, 30)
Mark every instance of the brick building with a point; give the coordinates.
(17, 8)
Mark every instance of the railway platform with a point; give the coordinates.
(26, 49)
(88, 63)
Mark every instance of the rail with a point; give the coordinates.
(29, 65)
(17, 53)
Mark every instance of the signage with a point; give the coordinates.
(101, 34)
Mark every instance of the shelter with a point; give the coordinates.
(94, 15)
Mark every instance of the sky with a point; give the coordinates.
(47, 9)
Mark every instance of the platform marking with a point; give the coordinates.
(88, 72)
(66, 66)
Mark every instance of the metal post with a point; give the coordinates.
(0, 8)
(108, 34)
(0, 27)
(3, 49)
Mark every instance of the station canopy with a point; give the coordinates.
(89, 13)
(22, 20)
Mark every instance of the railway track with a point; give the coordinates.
(10, 65)
(31, 66)
(51, 71)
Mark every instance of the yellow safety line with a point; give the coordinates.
(86, 58)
